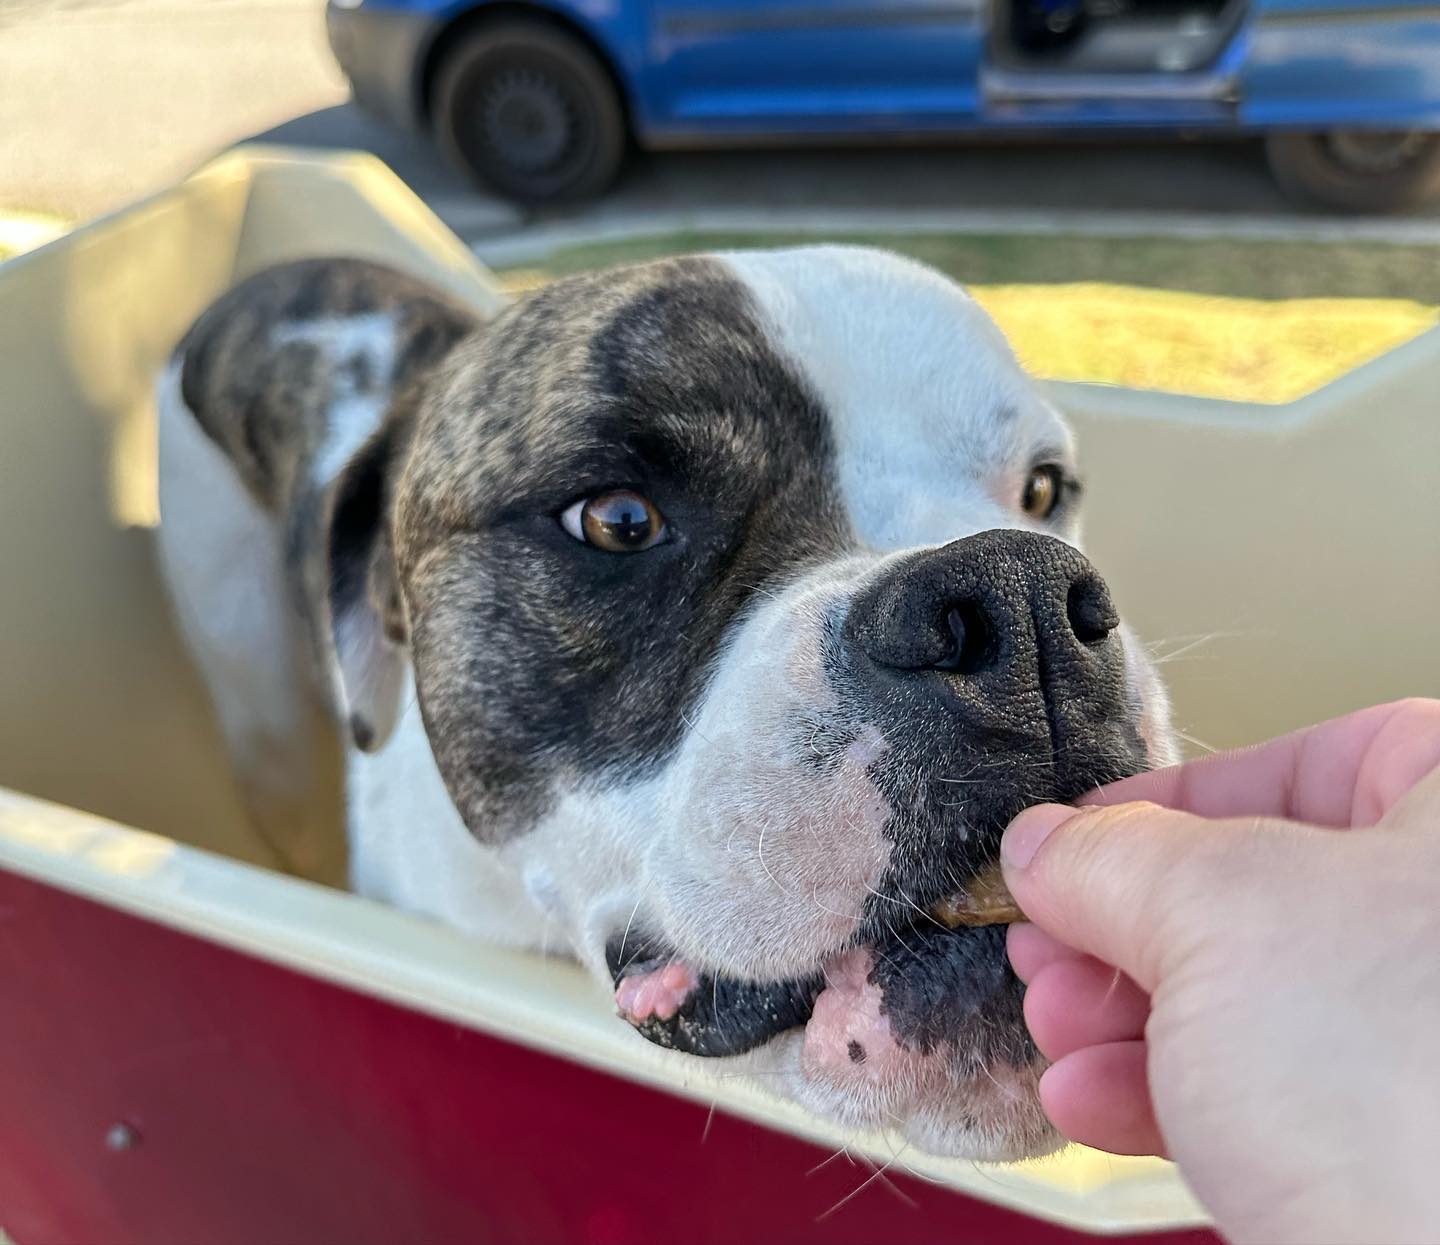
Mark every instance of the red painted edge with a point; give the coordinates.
(159, 1089)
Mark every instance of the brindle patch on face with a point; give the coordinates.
(541, 661)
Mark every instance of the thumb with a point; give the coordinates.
(1141, 887)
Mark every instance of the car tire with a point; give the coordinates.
(1357, 171)
(531, 112)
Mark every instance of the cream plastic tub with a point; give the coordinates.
(1303, 539)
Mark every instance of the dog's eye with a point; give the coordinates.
(1044, 487)
(618, 522)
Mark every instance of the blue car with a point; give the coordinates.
(542, 101)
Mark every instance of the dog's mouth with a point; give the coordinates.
(925, 982)
(918, 1025)
(920, 1007)
(917, 1021)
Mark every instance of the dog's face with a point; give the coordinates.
(744, 610)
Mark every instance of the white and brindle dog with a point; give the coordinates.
(709, 617)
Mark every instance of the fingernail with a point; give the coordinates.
(1028, 831)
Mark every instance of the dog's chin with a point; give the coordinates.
(875, 1014)
(946, 1103)
(920, 1033)
(926, 1038)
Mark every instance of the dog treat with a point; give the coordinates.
(986, 900)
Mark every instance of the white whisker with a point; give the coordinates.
(626, 934)
(878, 1174)
(1199, 743)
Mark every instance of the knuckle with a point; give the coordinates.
(1116, 866)
(1147, 855)
(1402, 756)
(1112, 848)
(1417, 713)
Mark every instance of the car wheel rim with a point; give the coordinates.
(527, 121)
(1376, 151)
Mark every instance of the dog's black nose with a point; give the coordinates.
(1013, 629)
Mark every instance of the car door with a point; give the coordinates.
(813, 66)
(1319, 64)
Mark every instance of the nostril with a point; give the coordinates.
(973, 639)
(1088, 607)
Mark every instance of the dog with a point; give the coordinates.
(707, 618)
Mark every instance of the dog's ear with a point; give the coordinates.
(367, 629)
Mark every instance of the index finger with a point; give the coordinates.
(1348, 771)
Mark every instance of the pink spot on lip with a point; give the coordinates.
(656, 995)
(848, 1040)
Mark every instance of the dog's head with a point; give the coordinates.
(744, 607)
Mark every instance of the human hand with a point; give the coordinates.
(1274, 1023)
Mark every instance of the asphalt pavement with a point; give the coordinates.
(104, 100)
(1210, 177)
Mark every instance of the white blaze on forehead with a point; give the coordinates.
(355, 409)
(927, 405)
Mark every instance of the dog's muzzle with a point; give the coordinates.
(994, 669)
(997, 672)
